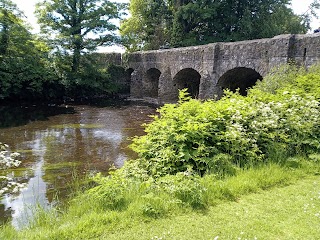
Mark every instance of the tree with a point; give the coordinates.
(10, 16)
(196, 22)
(148, 27)
(78, 26)
(24, 68)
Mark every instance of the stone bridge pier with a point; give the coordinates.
(208, 69)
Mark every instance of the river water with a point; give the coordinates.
(61, 144)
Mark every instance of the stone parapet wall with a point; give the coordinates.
(215, 62)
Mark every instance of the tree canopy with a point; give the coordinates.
(177, 23)
(24, 68)
(75, 29)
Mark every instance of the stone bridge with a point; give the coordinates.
(208, 69)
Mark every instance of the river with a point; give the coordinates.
(61, 144)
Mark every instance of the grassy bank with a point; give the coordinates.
(267, 202)
(291, 212)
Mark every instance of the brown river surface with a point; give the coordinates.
(61, 144)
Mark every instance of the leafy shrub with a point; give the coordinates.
(292, 78)
(221, 164)
(279, 77)
(189, 139)
(235, 131)
(111, 192)
(153, 206)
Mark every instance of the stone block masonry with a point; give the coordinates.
(208, 69)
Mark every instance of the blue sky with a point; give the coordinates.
(299, 7)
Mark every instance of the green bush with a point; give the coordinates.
(111, 192)
(235, 131)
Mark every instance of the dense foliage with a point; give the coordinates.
(59, 63)
(25, 71)
(237, 131)
(154, 24)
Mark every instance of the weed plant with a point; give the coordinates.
(91, 217)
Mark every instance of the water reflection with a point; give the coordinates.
(63, 146)
(23, 206)
(11, 116)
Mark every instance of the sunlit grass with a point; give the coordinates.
(261, 202)
(290, 212)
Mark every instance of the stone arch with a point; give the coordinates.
(151, 82)
(190, 79)
(239, 77)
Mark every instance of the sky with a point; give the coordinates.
(27, 6)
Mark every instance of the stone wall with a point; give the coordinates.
(217, 62)
(161, 73)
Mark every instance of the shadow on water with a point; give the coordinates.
(14, 116)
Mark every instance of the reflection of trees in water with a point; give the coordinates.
(5, 215)
(12, 116)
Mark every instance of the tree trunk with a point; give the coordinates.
(76, 37)
(76, 59)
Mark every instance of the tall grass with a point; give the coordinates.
(88, 217)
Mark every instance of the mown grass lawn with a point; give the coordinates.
(291, 212)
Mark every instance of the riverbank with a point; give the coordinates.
(290, 212)
(269, 202)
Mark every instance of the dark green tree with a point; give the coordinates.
(24, 66)
(204, 21)
(149, 25)
(195, 22)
